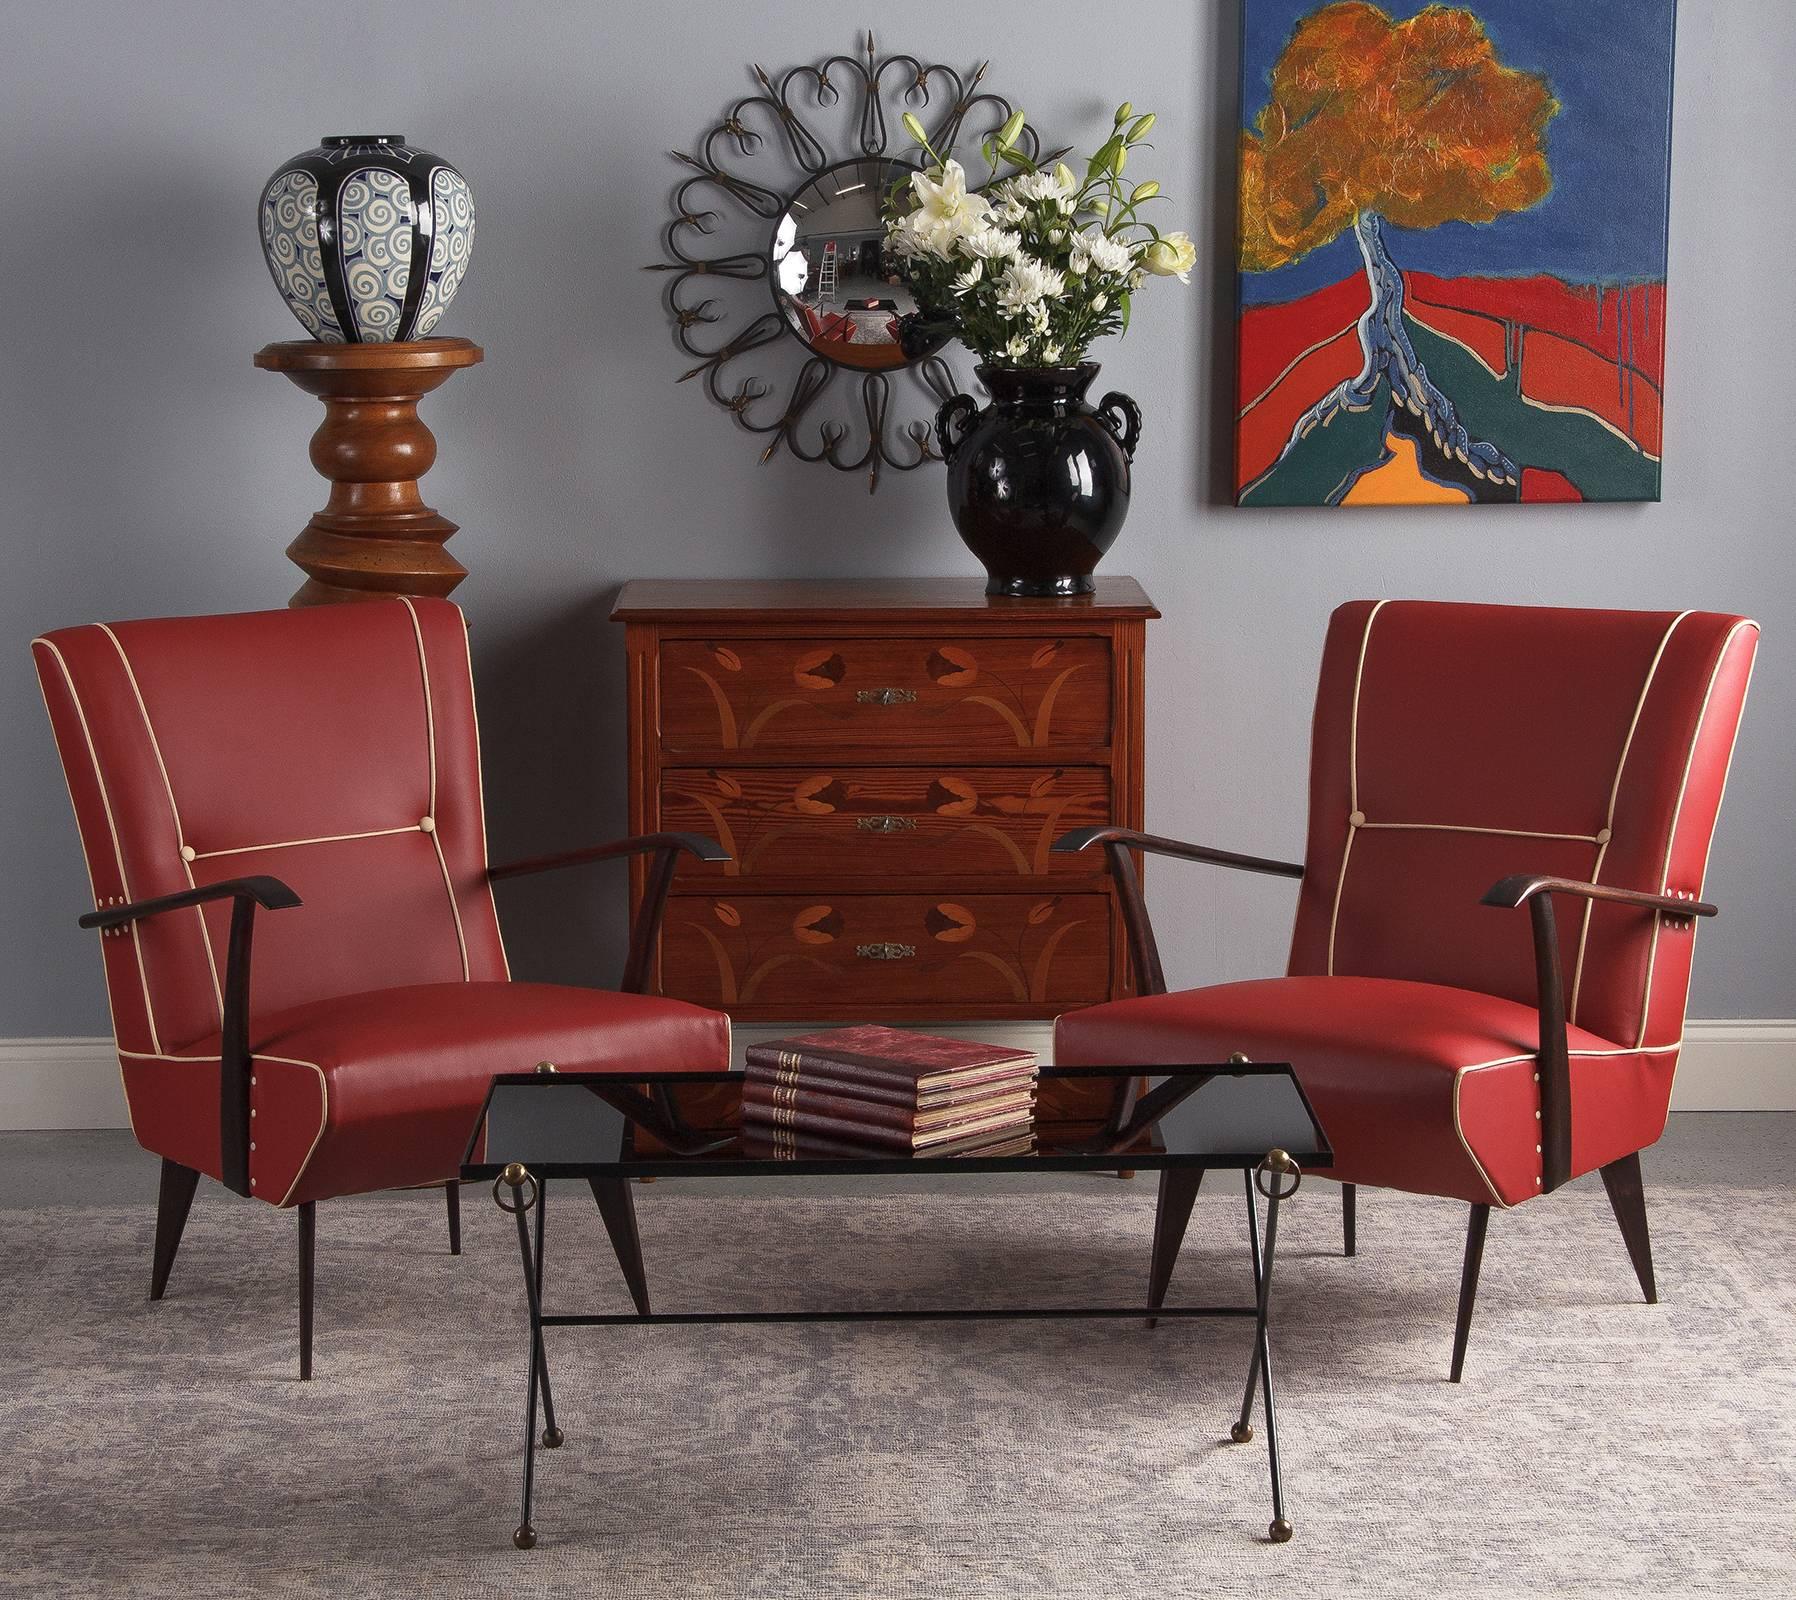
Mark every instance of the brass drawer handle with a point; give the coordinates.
(885, 824)
(885, 952)
(885, 697)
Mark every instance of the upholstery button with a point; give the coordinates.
(427, 824)
(1537, 1116)
(252, 1146)
(1537, 1149)
(1604, 835)
(252, 1183)
(188, 852)
(1356, 819)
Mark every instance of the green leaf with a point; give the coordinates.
(1123, 301)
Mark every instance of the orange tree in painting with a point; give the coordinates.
(1414, 121)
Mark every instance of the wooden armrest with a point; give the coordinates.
(1536, 891)
(245, 894)
(1144, 952)
(637, 844)
(665, 848)
(1522, 887)
(1155, 844)
(269, 893)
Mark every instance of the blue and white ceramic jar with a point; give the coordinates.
(367, 238)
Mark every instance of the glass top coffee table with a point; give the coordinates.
(604, 1131)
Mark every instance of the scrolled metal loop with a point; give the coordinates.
(1274, 1165)
(515, 1177)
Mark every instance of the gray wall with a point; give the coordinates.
(148, 469)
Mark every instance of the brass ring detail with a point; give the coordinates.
(1274, 1165)
(515, 1177)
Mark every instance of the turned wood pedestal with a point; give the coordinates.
(375, 536)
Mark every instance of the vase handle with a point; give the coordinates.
(1125, 425)
(963, 407)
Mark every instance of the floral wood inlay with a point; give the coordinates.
(1030, 691)
(1004, 949)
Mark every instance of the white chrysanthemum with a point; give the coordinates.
(1033, 186)
(1027, 283)
(989, 244)
(966, 282)
(1017, 349)
(1051, 355)
(1092, 249)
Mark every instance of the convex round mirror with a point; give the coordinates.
(788, 186)
(836, 286)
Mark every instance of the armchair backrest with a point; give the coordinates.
(1456, 744)
(333, 748)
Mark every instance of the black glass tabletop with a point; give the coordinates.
(581, 1125)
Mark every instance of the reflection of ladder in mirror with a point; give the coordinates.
(826, 278)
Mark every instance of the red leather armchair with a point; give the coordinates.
(312, 778)
(1467, 758)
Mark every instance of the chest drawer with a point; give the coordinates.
(859, 953)
(866, 694)
(877, 822)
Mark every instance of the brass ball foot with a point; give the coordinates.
(525, 1537)
(1279, 1532)
(553, 1438)
(1242, 1432)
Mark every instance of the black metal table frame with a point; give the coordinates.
(1178, 1193)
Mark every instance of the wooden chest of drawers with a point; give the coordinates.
(887, 764)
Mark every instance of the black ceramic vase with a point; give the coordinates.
(1038, 481)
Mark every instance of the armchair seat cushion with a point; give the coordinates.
(1418, 1086)
(379, 1090)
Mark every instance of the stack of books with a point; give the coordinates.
(884, 1090)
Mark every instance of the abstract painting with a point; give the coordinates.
(1452, 251)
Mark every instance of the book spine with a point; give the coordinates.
(789, 1119)
(816, 1101)
(817, 1075)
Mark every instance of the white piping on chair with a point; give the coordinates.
(290, 844)
(430, 728)
(174, 811)
(94, 895)
(1512, 1060)
(93, 757)
(1702, 716)
(1608, 832)
(1466, 827)
(1359, 675)
(480, 794)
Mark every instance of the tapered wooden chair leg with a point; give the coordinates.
(619, 1213)
(308, 1243)
(173, 1201)
(1468, 1284)
(1178, 1193)
(452, 1197)
(1349, 1219)
(1627, 1199)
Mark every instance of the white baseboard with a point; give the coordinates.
(1747, 1065)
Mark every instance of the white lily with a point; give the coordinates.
(945, 203)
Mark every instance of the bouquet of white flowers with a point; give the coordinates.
(1030, 269)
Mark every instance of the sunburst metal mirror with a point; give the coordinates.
(780, 223)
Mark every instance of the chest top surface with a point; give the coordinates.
(960, 600)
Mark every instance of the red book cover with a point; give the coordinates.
(763, 1143)
(810, 1122)
(889, 1058)
(818, 1099)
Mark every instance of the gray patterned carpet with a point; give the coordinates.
(1598, 1447)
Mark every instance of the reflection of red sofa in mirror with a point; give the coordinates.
(863, 335)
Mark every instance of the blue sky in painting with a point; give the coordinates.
(1609, 63)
